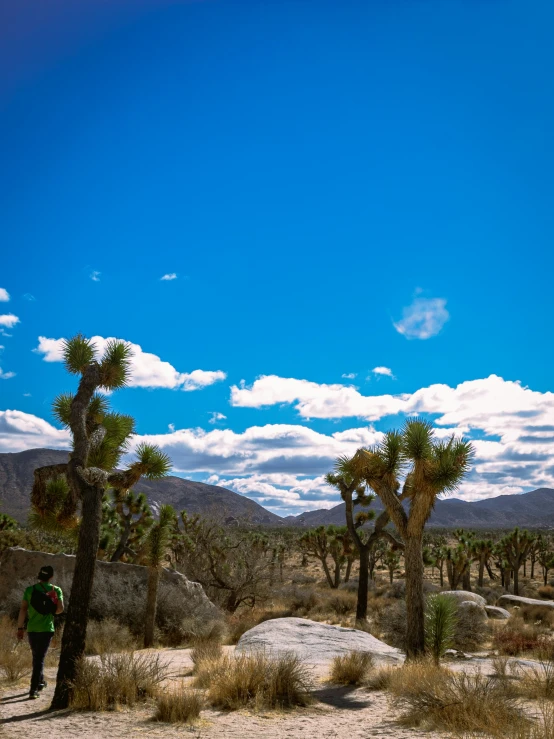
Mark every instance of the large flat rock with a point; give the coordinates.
(497, 612)
(314, 642)
(519, 600)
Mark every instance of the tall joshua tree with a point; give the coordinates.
(432, 467)
(159, 539)
(515, 548)
(61, 491)
(347, 480)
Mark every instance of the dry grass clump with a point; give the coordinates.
(538, 615)
(380, 679)
(182, 705)
(15, 657)
(205, 652)
(453, 701)
(351, 669)
(255, 679)
(108, 636)
(516, 637)
(117, 679)
(546, 592)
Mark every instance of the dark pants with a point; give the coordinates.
(39, 641)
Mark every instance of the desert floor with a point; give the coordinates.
(338, 713)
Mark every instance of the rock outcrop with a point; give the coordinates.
(465, 595)
(519, 600)
(314, 642)
(497, 612)
(119, 589)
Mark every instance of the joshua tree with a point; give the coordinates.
(545, 556)
(482, 551)
(391, 560)
(515, 548)
(100, 438)
(323, 543)
(347, 480)
(433, 467)
(134, 518)
(159, 538)
(440, 625)
(458, 561)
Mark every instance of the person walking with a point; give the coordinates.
(41, 602)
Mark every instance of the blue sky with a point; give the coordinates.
(336, 187)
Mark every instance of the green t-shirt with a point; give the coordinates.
(38, 622)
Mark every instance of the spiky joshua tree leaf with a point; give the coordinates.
(78, 353)
(115, 365)
(154, 462)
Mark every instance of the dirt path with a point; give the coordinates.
(339, 713)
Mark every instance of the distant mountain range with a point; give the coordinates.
(528, 510)
(531, 510)
(16, 481)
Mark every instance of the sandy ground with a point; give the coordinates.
(339, 713)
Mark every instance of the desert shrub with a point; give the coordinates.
(472, 628)
(341, 603)
(351, 669)
(391, 621)
(300, 578)
(351, 586)
(205, 651)
(108, 636)
(380, 679)
(117, 679)
(537, 614)
(15, 657)
(397, 589)
(440, 624)
(238, 624)
(301, 599)
(546, 592)
(181, 705)
(199, 631)
(256, 679)
(453, 701)
(516, 638)
(538, 679)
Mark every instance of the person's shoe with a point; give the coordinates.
(41, 686)
(33, 695)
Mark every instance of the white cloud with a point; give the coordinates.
(147, 370)
(314, 400)
(4, 295)
(282, 465)
(423, 319)
(29, 297)
(6, 375)
(349, 376)
(198, 379)
(8, 320)
(2, 347)
(385, 371)
(169, 276)
(95, 275)
(216, 416)
(20, 431)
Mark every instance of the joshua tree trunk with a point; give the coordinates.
(348, 569)
(415, 635)
(151, 605)
(327, 573)
(361, 606)
(122, 545)
(481, 573)
(75, 630)
(466, 579)
(516, 580)
(441, 574)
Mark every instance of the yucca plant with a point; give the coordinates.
(440, 625)
(60, 492)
